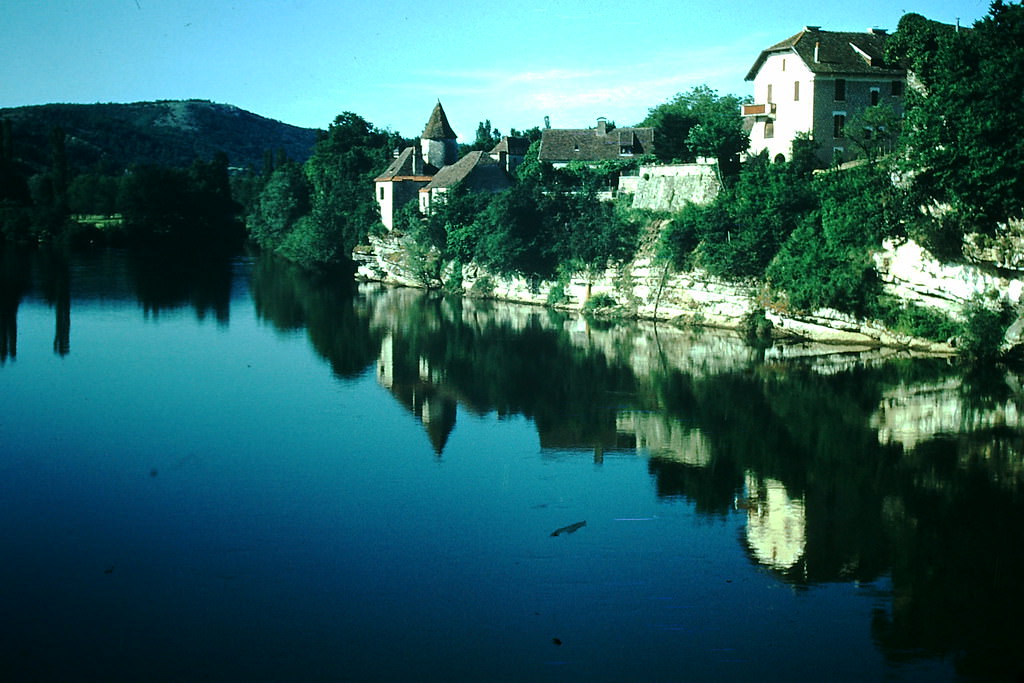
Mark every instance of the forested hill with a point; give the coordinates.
(109, 138)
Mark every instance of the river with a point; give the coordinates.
(232, 470)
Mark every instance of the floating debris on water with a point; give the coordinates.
(569, 529)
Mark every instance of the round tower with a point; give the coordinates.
(437, 144)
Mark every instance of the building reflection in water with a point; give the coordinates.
(420, 390)
(776, 523)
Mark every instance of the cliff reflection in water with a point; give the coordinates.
(848, 466)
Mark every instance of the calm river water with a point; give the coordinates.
(232, 471)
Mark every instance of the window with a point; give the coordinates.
(896, 89)
(769, 92)
(840, 90)
(875, 92)
(783, 63)
(769, 129)
(796, 91)
(382, 193)
(838, 123)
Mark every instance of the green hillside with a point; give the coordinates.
(109, 138)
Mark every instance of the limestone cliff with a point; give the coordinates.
(648, 288)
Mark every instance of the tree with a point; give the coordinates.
(718, 122)
(532, 134)
(962, 153)
(486, 137)
(875, 130)
(321, 225)
(743, 229)
(284, 199)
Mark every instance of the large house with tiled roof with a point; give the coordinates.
(427, 170)
(561, 146)
(477, 172)
(815, 82)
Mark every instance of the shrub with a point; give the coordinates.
(916, 321)
(984, 329)
(756, 328)
(599, 302)
(483, 288)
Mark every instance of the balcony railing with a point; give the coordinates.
(763, 109)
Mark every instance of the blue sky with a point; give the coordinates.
(305, 61)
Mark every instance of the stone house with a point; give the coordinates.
(477, 171)
(414, 167)
(560, 146)
(816, 82)
(426, 170)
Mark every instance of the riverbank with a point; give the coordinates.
(649, 290)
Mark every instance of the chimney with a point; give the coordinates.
(602, 126)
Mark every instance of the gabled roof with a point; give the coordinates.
(590, 144)
(839, 53)
(437, 127)
(476, 170)
(512, 145)
(407, 166)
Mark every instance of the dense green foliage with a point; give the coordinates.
(109, 138)
(699, 122)
(962, 151)
(984, 328)
(810, 236)
(191, 206)
(549, 223)
(739, 233)
(826, 262)
(316, 214)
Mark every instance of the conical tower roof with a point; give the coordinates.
(437, 127)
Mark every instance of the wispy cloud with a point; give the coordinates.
(574, 95)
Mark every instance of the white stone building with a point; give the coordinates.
(816, 82)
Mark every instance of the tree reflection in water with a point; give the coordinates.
(849, 467)
(860, 467)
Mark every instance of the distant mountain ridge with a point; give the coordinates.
(112, 137)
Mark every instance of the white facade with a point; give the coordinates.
(815, 84)
(785, 87)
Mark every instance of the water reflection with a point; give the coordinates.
(159, 281)
(863, 468)
(848, 467)
(15, 282)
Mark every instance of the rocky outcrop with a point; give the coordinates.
(649, 289)
(671, 188)
(912, 274)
